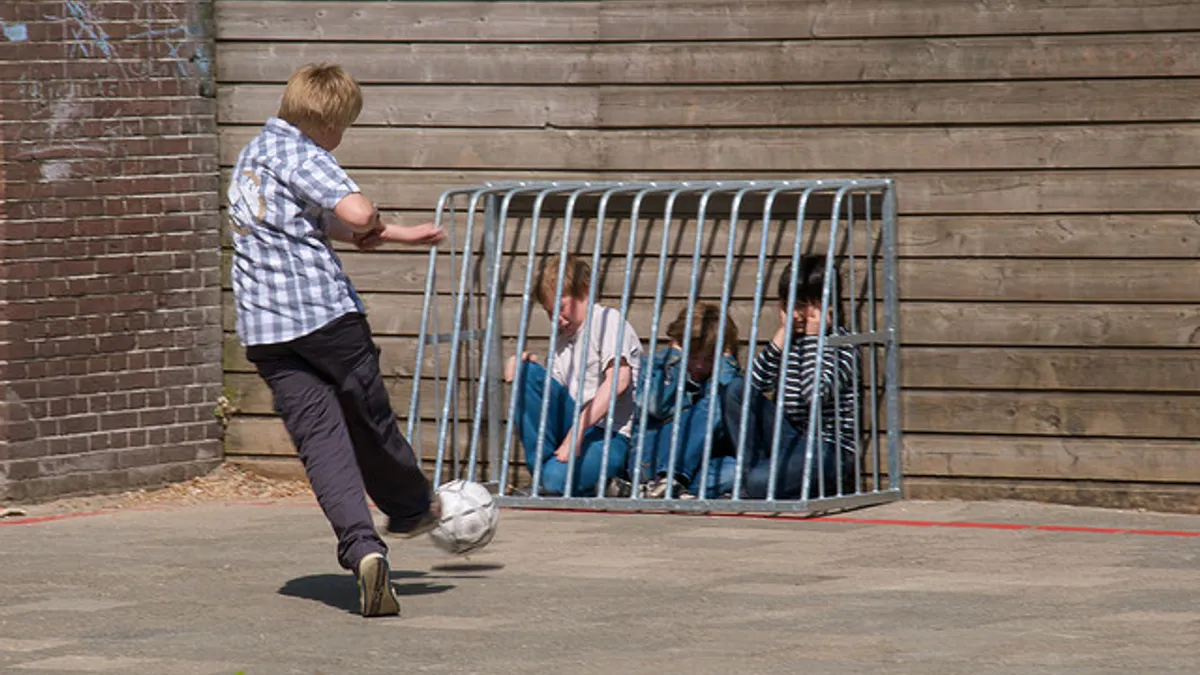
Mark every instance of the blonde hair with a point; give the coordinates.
(577, 282)
(320, 96)
(705, 321)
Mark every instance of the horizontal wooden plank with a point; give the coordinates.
(406, 21)
(1053, 414)
(601, 106)
(1121, 146)
(1058, 236)
(900, 60)
(1059, 325)
(997, 280)
(1033, 102)
(1151, 370)
(255, 435)
(979, 368)
(434, 106)
(1049, 280)
(1080, 236)
(921, 323)
(1176, 497)
(967, 192)
(1041, 457)
(252, 396)
(684, 19)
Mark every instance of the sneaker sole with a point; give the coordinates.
(378, 598)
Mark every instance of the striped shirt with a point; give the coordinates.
(287, 280)
(838, 389)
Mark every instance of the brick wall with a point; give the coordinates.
(110, 327)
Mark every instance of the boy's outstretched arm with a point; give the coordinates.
(596, 409)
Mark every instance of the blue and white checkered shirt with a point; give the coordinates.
(287, 280)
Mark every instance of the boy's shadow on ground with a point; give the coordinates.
(341, 590)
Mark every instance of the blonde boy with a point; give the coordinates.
(304, 326)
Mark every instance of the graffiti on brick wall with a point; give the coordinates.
(160, 40)
(89, 36)
(14, 32)
(183, 37)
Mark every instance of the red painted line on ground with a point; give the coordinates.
(47, 519)
(1092, 530)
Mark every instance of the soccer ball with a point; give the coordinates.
(469, 518)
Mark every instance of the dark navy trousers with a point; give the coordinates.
(329, 390)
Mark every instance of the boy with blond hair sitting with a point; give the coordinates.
(608, 361)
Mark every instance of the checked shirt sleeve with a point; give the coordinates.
(321, 181)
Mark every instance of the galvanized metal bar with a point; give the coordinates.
(548, 384)
(856, 379)
(785, 356)
(576, 434)
(685, 348)
(446, 198)
(668, 213)
(543, 191)
(758, 506)
(489, 370)
(601, 214)
(873, 445)
(891, 312)
(814, 410)
(752, 347)
(450, 405)
(719, 348)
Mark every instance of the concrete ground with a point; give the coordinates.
(218, 589)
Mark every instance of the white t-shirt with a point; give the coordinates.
(601, 351)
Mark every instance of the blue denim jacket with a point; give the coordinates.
(665, 371)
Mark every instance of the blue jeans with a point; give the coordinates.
(790, 461)
(720, 478)
(558, 425)
(656, 448)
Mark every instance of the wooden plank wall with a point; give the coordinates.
(1046, 156)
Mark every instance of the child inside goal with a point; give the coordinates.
(836, 392)
(608, 357)
(694, 421)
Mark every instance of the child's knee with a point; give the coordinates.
(554, 477)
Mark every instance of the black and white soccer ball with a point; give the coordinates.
(469, 518)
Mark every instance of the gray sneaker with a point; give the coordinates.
(425, 525)
(657, 488)
(618, 487)
(376, 594)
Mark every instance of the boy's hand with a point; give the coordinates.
(510, 368)
(563, 453)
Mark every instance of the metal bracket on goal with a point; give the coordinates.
(681, 290)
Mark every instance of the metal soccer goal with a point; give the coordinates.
(656, 252)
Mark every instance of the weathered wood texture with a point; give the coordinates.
(255, 20)
(1045, 156)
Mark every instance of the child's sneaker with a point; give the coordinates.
(376, 594)
(618, 487)
(657, 488)
(425, 525)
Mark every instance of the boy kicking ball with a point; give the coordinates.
(305, 329)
